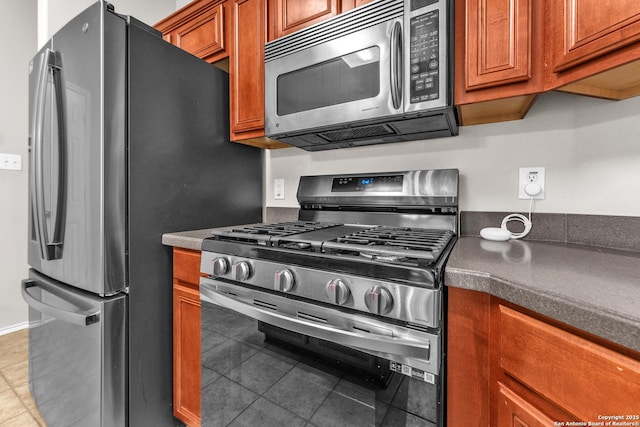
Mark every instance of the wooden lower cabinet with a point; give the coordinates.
(511, 367)
(186, 336)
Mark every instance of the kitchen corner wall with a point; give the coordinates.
(590, 148)
(18, 35)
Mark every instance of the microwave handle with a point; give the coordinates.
(396, 65)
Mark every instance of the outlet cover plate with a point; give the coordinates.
(531, 174)
(278, 189)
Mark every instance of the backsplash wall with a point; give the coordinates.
(590, 148)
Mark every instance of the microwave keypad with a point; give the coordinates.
(424, 58)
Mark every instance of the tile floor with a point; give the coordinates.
(17, 408)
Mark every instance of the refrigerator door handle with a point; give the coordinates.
(50, 248)
(84, 315)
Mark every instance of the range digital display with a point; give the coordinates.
(382, 183)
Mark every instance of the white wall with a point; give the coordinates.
(590, 148)
(18, 35)
(25, 25)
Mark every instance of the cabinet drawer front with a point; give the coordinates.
(587, 29)
(186, 266)
(583, 378)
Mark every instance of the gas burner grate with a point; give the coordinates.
(262, 233)
(392, 244)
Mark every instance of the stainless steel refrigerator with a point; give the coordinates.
(128, 139)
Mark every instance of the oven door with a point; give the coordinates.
(267, 360)
(353, 77)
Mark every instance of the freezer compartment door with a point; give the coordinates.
(77, 345)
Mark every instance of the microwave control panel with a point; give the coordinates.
(424, 64)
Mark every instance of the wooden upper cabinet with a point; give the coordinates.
(287, 16)
(498, 44)
(199, 28)
(586, 29)
(499, 58)
(594, 47)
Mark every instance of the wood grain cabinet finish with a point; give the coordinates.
(199, 28)
(508, 367)
(186, 336)
(594, 47)
(499, 58)
(515, 411)
(584, 378)
(288, 16)
(246, 70)
(587, 29)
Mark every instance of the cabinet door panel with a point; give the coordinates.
(199, 28)
(204, 36)
(514, 411)
(246, 71)
(498, 42)
(587, 29)
(186, 354)
(288, 16)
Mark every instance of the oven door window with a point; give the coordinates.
(254, 373)
(347, 78)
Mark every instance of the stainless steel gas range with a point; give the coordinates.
(335, 319)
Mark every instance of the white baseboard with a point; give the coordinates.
(14, 328)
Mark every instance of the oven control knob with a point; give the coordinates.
(378, 300)
(220, 266)
(283, 280)
(337, 291)
(241, 271)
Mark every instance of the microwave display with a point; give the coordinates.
(347, 78)
(425, 70)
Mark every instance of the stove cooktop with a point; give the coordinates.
(392, 245)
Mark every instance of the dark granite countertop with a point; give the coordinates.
(596, 290)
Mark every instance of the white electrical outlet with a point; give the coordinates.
(11, 161)
(278, 188)
(531, 183)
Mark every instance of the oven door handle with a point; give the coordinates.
(367, 342)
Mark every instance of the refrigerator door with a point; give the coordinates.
(77, 359)
(77, 155)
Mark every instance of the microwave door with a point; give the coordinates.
(345, 79)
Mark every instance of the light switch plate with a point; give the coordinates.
(11, 161)
(278, 188)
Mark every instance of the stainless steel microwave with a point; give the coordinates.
(379, 73)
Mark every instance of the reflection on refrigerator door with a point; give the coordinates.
(68, 331)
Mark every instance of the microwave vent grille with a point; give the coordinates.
(357, 19)
(358, 133)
